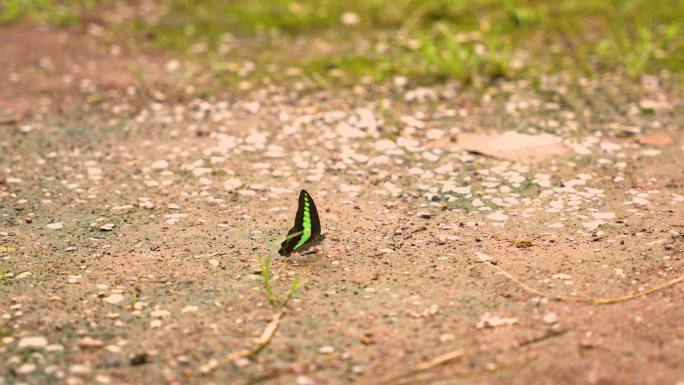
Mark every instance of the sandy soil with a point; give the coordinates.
(132, 228)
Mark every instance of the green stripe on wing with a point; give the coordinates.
(306, 232)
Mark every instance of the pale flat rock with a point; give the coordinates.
(160, 313)
(232, 184)
(482, 257)
(384, 145)
(392, 189)
(32, 343)
(26, 369)
(513, 146)
(94, 173)
(122, 208)
(497, 216)
(434, 134)
(580, 149)
(114, 299)
(366, 120)
(348, 19)
(592, 225)
(562, 276)
(89, 343)
(640, 201)
(346, 131)
(408, 143)
(159, 165)
(651, 152)
(550, 318)
(610, 146)
(199, 171)
(606, 215)
(491, 321)
(463, 190)
(79, 370)
(107, 227)
(55, 225)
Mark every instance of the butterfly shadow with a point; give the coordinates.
(306, 258)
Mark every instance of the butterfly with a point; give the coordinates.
(306, 231)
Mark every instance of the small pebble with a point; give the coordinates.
(550, 318)
(32, 343)
(107, 227)
(114, 299)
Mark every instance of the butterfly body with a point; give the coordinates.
(306, 231)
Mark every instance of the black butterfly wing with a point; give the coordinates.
(312, 227)
(295, 234)
(315, 221)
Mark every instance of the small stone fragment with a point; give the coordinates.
(304, 380)
(497, 216)
(79, 370)
(27, 368)
(490, 321)
(160, 313)
(73, 279)
(107, 227)
(592, 225)
(114, 299)
(89, 343)
(444, 338)
(550, 318)
(159, 165)
(23, 275)
(482, 257)
(232, 184)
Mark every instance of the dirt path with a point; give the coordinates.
(132, 229)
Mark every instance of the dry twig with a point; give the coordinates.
(261, 342)
(595, 301)
(408, 377)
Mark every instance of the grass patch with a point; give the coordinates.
(474, 42)
(462, 204)
(59, 13)
(431, 40)
(266, 276)
(4, 267)
(274, 299)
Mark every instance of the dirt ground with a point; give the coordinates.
(132, 226)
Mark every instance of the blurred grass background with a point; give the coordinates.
(426, 41)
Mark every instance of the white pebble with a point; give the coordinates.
(497, 216)
(32, 343)
(114, 299)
